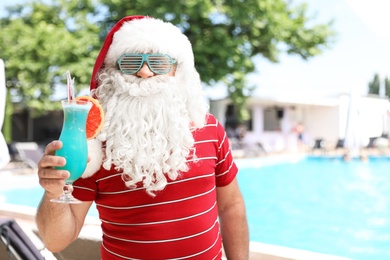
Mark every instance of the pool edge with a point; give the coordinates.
(91, 231)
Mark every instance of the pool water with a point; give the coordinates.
(323, 205)
(318, 204)
(31, 197)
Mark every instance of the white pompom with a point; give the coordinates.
(96, 158)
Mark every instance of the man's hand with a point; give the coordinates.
(51, 179)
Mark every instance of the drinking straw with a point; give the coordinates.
(70, 83)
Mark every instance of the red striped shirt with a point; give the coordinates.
(181, 221)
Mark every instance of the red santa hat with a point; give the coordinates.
(143, 34)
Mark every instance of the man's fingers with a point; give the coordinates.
(52, 147)
(49, 173)
(51, 161)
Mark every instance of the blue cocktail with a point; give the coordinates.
(74, 145)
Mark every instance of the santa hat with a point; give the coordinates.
(143, 34)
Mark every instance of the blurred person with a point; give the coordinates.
(161, 171)
(363, 157)
(347, 156)
(300, 131)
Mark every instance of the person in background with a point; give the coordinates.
(161, 171)
(300, 130)
(347, 156)
(363, 157)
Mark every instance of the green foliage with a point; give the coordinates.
(387, 87)
(226, 35)
(40, 40)
(7, 126)
(374, 85)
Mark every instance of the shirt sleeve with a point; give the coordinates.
(85, 189)
(226, 169)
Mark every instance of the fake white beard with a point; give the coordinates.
(146, 129)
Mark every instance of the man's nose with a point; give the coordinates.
(145, 72)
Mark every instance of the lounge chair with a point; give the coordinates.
(17, 245)
(29, 153)
(319, 144)
(340, 144)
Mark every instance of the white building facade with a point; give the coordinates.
(274, 121)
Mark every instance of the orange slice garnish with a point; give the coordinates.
(95, 118)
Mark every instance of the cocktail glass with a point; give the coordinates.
(74, 145)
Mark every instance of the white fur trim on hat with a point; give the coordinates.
(150, 35)
(95, 154)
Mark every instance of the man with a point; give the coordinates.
(161, 170)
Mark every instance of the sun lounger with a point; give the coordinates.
(17, 245)
(319, 144)
(29, 153)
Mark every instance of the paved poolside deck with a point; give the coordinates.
(87, 246)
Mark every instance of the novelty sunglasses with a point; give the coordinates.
(131, 63)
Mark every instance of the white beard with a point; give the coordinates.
(147, 131)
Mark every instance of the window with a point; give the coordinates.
(272, 117)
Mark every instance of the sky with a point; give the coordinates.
(361, 49)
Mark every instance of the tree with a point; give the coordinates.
(226, 35)
(374, 85)
(40, 41)
(387, 87)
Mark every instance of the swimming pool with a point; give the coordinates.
(318, 204)
(28, 193)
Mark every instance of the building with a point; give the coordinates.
(277, 123)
